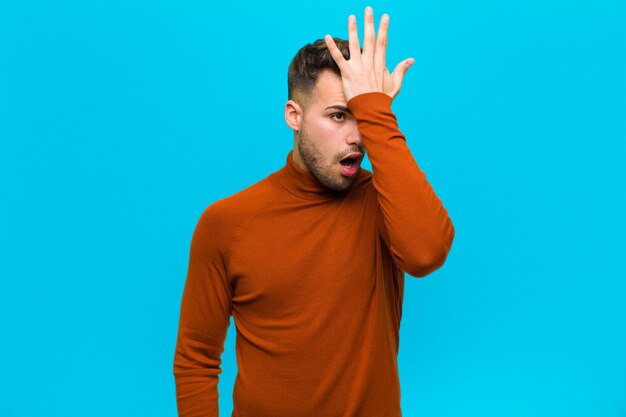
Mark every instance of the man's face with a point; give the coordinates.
(328, 134)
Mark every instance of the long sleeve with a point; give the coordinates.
(412, 220)
(204, 320)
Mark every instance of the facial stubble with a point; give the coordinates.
(323, 170)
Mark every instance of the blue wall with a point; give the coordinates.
(116, 120)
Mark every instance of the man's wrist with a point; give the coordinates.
(367, 102)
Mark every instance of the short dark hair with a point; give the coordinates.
(307, 65)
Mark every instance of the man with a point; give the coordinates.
(310, 261)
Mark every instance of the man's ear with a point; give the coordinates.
(293, 115)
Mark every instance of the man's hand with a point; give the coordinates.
(367, 72)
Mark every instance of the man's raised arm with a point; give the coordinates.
(412, 220)
(204, 320)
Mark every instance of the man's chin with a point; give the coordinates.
(349, 180)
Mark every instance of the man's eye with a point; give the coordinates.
(338, 116)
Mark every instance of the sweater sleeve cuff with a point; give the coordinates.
(365, 103)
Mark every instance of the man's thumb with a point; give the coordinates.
(401, 69)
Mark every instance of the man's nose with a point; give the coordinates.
(354, 138)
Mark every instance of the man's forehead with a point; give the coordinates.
(328, 90)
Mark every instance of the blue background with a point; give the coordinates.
(121, 121)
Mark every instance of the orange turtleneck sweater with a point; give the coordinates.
(314, 281)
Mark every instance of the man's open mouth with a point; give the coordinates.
(350, 163)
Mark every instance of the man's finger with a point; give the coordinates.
(353, 39)
(398, 73)
(380, 51)
(368, 32)
(335, 52)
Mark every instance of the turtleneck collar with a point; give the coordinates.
(303, 183)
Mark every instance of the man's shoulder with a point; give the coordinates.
(233, 209)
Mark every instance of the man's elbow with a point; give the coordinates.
(429, 261)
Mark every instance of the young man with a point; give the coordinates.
(310, 261)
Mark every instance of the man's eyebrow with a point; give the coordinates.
(339, 107)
